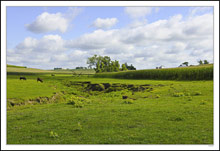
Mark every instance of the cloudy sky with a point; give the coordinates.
(48, 37)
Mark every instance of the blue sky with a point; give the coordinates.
(48, 37)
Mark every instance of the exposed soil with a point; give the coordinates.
(57, 97)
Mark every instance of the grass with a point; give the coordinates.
(19, 70)
(19, 90)
(97, 117)
(16, 66)
(203, 72)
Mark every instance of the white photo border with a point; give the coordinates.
(4, 145)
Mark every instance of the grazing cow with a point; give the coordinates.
(125, 97)
(23, 78)
(38, 79)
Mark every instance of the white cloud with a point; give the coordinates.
(136, 12)
(104, 23)
(167, 42)
(199, 10)
(47, 22)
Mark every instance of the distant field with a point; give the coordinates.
(203, 72)
(12, 70)
(16, 66)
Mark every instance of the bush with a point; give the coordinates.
(78, 102)
(128, 101)
(53, 134)
(79, 127)
(178, 94)
(157, 96)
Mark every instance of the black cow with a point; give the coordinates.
(38, 79)
(23, 78)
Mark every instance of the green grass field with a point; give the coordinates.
(67, 109)
(19, 70)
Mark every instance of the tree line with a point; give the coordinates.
(105, 64)
(200, 63)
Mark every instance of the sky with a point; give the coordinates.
(146, 37)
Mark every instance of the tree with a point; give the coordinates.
(117, 66)
(92, 61)
(104, 64)
(98, 69)
(200, 62)
(102, 67)
(123, 67)
(206, 62)
(185, 63)
(131, 67)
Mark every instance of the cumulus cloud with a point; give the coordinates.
(167, 42)
(137, 12)
(104, 23)
(47, 52)
(199, 10)
(48, 43)
(47, 22)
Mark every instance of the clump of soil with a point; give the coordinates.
(109, 87)
(57, 97)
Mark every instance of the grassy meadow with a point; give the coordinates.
(84, 109)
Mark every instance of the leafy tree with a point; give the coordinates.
(92, 61)
(104, 64)
(123, 67)
(200, 62)
(102, 67)
(131, 67)
(98, 69)
(117, 66)
(185, 63)
(206, 62)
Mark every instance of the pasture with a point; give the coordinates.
(69, 109)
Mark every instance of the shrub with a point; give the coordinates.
(157, 96)
(53, 134)
(187, 94)
(178, 94)
(78, 102)
(79, 127)
(128, 101)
